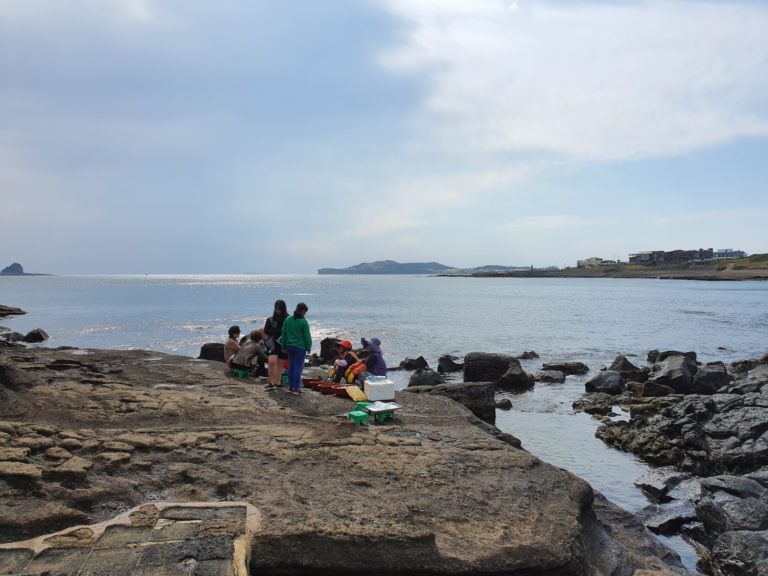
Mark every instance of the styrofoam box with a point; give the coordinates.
(379, 390)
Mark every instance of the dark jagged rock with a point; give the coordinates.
(515, 378)
(710, 378)
(551, 376)
(12, 336)
(504, 404)
(649, 389)
(741, 553)
(10, 311)
(567, 367)
(675, 371)
(486, 367)
(447, 363)
(607, 381)
(425, 377)
(658, 482)
(724, 432)
(528, 355)
(328, 349)
(598, 403)
(744, 366)
(414, 363)
(212, 351)
(35, 336)
(477, 396)
(13, 378)
(667, 518)
(621, 364)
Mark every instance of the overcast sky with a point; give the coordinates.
(279, 136)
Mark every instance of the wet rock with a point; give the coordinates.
(12, 336)
(676, 371)
(710, 378)
(528, 355)
(35, 336)
(414, 363)
(567, 368)
(425, 377)
(658, 482)
(667, 518)
(669, 353)
(212, 351)
(649, 389)
(515, 378)
(738, 486)
(486, 367)
(550, 376)
(741, 553)
(10, 311)
(447, 363)
(606, 381)
(621, 364)
(504, 404)
(595, 403)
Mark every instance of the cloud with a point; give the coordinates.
(601, 81)
(548, 222)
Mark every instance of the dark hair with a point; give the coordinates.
(234, 330)
(282, 307)
(256, 336)
(301, 309)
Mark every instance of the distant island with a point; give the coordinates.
(392, 267)
(17, 269)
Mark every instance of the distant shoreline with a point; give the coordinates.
(651, 273)
(25, 274)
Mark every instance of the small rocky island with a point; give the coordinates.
(106, 458)
(17, 269)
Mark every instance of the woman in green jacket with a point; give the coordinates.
(295, 338)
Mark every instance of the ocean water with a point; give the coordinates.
(588, 320)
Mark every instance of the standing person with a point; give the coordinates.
(298, 342)
(275, 353)
(231, 346)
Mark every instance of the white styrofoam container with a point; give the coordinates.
(379, 390)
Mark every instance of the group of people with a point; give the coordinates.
(285, 340)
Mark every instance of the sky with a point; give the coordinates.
(281, 136)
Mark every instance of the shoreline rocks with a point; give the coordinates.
(436, 489)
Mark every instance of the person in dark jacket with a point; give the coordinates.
(273, 328)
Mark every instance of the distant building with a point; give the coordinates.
(663, 258)
(594, 263)
(727, 254)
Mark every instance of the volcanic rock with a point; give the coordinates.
(10, 311)
(528, 355)
(551, 376)
(676, 371)
(425, 377)
(710, 378)
(414, 363)
(486, 367)
(477, 396)
(515, 378)
(35, 336)
(607, 381)
(212, 351)
(567, 367)
(741, 553)
(447, 363)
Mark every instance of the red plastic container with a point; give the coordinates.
(325, 387)
(340, 390)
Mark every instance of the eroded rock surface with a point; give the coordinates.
(435, 491)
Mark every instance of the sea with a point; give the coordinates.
(562, 319)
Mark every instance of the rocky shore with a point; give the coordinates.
(707, 426)
(86, 435)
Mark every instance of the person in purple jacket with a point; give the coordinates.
(372, 364)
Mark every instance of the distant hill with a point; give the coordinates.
(389, 267)
(15, 269)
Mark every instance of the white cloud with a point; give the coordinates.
(547, 222)
(587, 79)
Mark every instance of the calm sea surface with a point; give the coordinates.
(589, 320)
